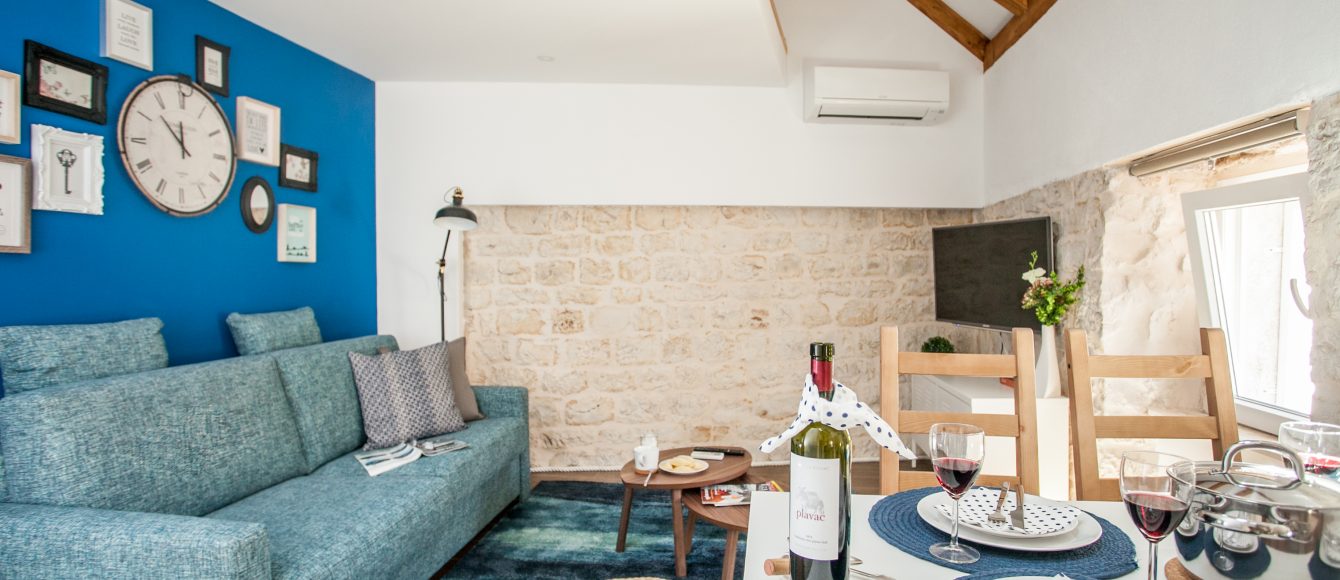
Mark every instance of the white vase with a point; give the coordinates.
(1047, 373)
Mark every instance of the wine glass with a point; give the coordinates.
(1156, 488)
(1317, 444)
(956, 457)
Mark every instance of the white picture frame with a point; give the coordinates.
(11, 109)
(67, 170)
(257, 132)
(15, 199)
(128, 33)
(297, 233)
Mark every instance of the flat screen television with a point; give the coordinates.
(979, 269)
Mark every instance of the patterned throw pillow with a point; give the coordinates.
(405, 395)
(271, 331)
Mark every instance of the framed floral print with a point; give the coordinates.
(257, 132)
(15, 205)
(297, 233)
(10, 109)
(128, 33)
(67, 171)
(64, 83)
(297, 168)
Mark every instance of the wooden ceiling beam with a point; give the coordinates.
(1014, 30)
(1016, 7)
(958, 28)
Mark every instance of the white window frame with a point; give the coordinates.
(1293, 185)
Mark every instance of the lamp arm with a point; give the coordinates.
(442, 289)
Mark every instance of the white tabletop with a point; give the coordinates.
(768, 528)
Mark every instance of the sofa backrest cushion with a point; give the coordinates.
(184, 440)
(33, 357)
(271, 331)
(320, 386)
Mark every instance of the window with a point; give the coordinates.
(1246, 246)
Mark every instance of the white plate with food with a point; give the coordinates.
(1042, 517)
(683, 465)
(1087, 532)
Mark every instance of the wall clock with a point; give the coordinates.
(177, 145)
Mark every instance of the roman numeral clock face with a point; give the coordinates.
(177, 145)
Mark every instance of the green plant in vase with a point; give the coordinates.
(937, 344)
(1050, 299)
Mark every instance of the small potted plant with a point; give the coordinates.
(1050, 299)
(937, 344)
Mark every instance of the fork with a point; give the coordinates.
(863, 574)
(998, 517)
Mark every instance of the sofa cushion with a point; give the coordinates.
(353, 527)
(32, 357)
(491, 440)
(271, 331)
(184, 440)
(460, 381)
(405, 395)
(320, 385)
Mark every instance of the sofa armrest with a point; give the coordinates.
(503, 401)
(38, 541)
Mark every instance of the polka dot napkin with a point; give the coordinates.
(843, 412)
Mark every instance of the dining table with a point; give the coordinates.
(767, 538)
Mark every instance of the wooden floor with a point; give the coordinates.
(865, 476)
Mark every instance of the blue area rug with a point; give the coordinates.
(569, 529)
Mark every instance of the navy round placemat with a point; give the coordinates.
(895, 520)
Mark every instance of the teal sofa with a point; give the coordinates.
(240, 468)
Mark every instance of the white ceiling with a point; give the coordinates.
(712, 42)
(987, 16)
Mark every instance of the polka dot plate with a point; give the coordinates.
(1042, 518)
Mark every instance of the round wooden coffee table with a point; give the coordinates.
(731, 467)
(734, 519)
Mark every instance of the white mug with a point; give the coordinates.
(645, 458)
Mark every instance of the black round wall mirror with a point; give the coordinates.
(258, 205)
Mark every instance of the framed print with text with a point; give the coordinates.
(10, 108)
(211, 65)
(257, 132)
(297, 233)
(297, 168)
(67, 171)
(64, 83)
(15, 205)
(128, 33)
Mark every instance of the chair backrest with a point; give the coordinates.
(1211, 366)
(1022, 425)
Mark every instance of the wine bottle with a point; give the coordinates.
(820, 510)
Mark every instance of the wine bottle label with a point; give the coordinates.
(814, 507)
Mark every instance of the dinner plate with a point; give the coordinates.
(1045, 517)
(699, 467)
(1087, 532)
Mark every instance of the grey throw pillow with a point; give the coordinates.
(271, 331)
(405, 395)
(460, 383)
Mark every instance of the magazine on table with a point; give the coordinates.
(379, 461)
(728, 494)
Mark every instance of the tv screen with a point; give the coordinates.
(979, 269)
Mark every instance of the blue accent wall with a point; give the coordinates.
(137, 261)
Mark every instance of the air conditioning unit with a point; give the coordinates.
(876, 95)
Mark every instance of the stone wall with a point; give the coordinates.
(689, 322)
(1322, 215)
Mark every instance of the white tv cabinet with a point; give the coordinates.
(987, 395)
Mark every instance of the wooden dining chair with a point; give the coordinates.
(1022, 425)
(1211, 366)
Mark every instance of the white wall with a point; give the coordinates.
(1095, 82)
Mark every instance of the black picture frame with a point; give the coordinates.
(248, 191)
(201, 43)
(34, 54)
(285, 151)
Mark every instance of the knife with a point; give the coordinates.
(1017, 516)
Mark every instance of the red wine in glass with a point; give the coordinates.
(955, 474)
(1156, 514)
(1319, 464)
